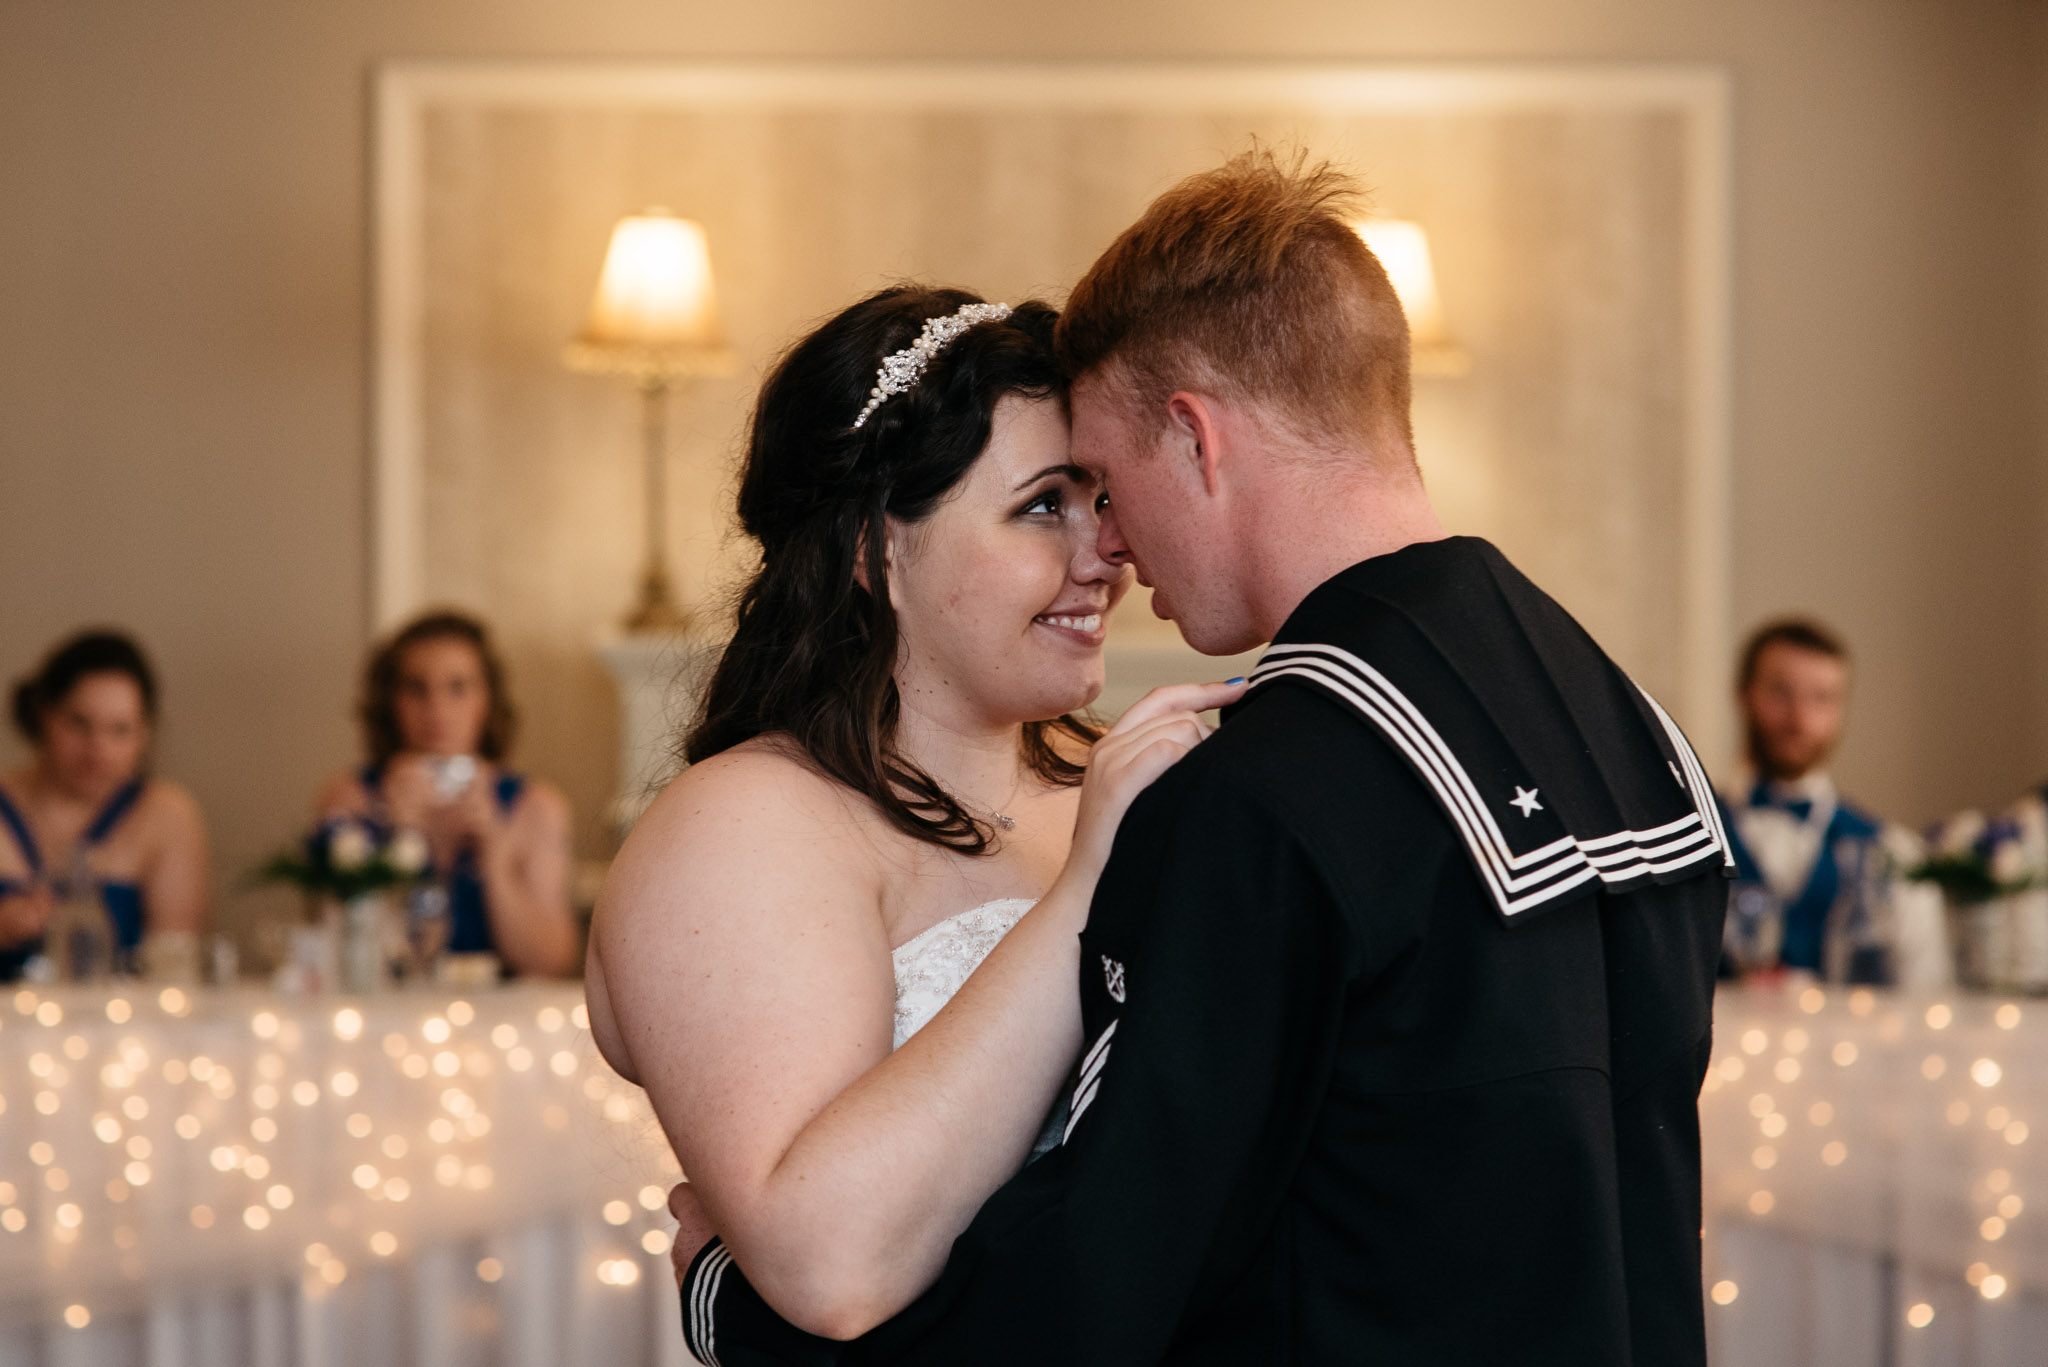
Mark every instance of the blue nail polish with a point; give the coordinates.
(1238, 680)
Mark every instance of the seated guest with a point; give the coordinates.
(84, 812)
(1812, 877)
(437, 720)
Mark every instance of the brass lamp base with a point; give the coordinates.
(657, 610)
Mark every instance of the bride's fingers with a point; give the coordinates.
(1118, 755)
(1189, 697)
(1158, 755)
(1114, 746)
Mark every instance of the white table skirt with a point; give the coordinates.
(1876, 1180)
(429, 1181)
(427, 1307)
(209, 1180)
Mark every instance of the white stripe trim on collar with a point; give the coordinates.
(703, 1296)
(1696, 778)
(1518, 882)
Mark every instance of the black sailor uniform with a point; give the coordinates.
(1397, 999)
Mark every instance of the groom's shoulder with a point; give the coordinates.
(1296, 753)
(1292, 793)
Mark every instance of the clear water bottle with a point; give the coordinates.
(80, 938)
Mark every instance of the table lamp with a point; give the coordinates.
(1403, 248)
(655, 320)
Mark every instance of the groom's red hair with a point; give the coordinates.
(1250, 282)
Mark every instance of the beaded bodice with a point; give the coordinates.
(932, 965)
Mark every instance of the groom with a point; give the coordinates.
(1397, 991)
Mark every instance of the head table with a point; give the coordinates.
(218, 1178)
(1876, 1179)
(226, 1178)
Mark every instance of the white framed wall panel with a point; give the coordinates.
(1580, 216)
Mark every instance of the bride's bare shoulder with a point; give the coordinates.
(757, 812)
(748, 878)
(766, 778)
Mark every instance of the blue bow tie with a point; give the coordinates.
(1798, 808)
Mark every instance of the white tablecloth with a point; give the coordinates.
(228, 1178)
(221, 1179)
(1876, 1180)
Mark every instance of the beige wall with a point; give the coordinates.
(1562, 228)
(184, 274)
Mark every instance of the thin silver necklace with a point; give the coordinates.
(1008, 823)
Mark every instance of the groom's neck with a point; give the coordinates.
(1313, 529)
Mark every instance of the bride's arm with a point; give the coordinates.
(740, 947)
(745, 963)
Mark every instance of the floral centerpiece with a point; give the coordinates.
(347, 859)
(1974, 860)
(1993, 872)
(356, 869)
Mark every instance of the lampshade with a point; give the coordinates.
(1403, 248)
(655, 311)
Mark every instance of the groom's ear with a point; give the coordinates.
(1195, 434)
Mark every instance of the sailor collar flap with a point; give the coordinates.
(1561, 777)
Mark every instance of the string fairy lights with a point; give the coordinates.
(1852, 1118)
(177, 1138)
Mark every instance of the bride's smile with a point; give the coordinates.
(1087, 630)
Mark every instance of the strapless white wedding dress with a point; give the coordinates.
(933, 964)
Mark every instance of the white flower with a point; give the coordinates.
(407, 851)
(1902, 845)
(1962, 833)
(2009, 863)
(348, 847)
(2031, 818)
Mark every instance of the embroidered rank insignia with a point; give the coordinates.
(1089, 1083)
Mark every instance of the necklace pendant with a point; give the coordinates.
(1008, 823)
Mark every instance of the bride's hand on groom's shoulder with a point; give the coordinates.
(693, 1228)
(1158, 730)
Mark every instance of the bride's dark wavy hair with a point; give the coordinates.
(813, 654)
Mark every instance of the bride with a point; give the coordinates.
(887, 790)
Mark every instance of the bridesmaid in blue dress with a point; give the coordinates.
(437, 721)
(85, 807)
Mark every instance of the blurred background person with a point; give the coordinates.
(85, 819)
(437, 722)
(1812, 874)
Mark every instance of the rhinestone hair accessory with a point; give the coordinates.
(900, 370)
